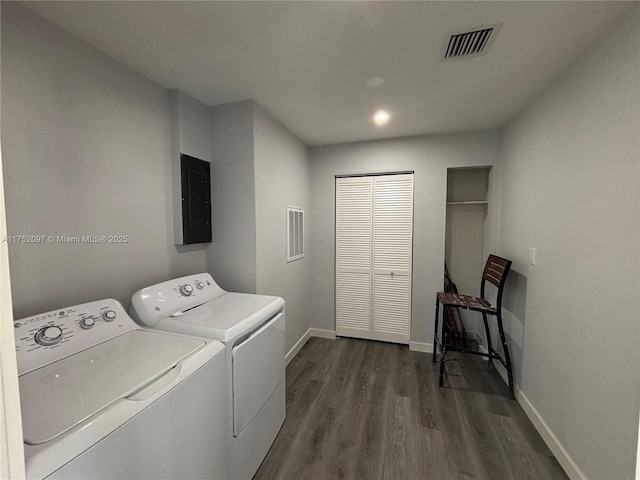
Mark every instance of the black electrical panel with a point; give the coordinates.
(196, 200)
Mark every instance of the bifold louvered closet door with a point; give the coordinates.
(374, 232)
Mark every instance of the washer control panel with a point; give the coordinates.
(196, 285)
(47, 337)
(152, 304)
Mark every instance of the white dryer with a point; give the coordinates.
(103, 398)
(252, 327)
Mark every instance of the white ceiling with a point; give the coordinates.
(307, 62)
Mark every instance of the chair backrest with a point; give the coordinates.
(495, 271)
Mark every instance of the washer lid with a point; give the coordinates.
(225, 317)
(59, 396)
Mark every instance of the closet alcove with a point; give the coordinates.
(466, 217)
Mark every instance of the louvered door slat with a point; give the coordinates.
(353, 304)
(353, 256)
(392, 257)
(391, 304)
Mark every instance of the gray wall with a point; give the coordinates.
(231, 256)
(259, 168)
(86, 145)
(191, 135)
(429, 157)
(194, 132)
(571, 188)
(282, 179)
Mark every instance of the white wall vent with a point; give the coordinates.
(472, 42)
(295, 233)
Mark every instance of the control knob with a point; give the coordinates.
(200, 285)
(87, 322)
(186, 289)
(109, 316)
(49, 335)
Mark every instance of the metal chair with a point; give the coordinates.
(495, 271)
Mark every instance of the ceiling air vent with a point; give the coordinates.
(470, 43)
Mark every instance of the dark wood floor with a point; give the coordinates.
(358, 409)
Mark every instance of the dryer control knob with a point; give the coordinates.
(186, 290)
(199, 285)
(109, 316)
(87, 323)
(50, 335)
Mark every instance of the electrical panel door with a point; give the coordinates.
(196, 199)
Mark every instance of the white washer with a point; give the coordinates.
(103, 398)
(252, 328)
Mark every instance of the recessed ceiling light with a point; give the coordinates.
(381, 117)
(375, 80)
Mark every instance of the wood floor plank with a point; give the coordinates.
(359, 409)
(299, 417)
(373, 436)
(425, 386)
(436, 465)
(298, 380)
(402, 370)
(525, 465)
(354, 412)
(479, 379)
(400, 460)
(452, 425)
(485, 445)
(532, 437)
(328, 354)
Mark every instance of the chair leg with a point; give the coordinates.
(507, 357)
(435, 331)
(488, 335)
(443, 348)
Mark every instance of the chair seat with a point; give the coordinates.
(465, 301)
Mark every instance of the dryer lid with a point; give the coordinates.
(225, 317)
(61, 395)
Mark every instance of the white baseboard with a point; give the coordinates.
(564, 459)
(421, 347)
(296, 348)
(317, 332)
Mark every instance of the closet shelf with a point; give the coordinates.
(471, 202)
